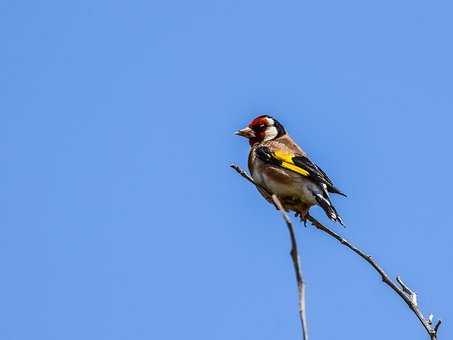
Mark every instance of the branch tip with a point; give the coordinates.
(436, 327)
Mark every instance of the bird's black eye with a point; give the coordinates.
(262, 126)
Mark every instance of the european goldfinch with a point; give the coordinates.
(278, 164)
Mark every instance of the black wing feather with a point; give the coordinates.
(316, 173)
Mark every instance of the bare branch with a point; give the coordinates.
(297, 266)
(294, 250)
(404, 291)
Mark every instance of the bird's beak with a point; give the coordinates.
(245, 132)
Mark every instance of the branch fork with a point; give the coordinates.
(411, 294)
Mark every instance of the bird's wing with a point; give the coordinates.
(299, 164)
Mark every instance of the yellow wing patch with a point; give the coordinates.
(284, 156)
(287, 162)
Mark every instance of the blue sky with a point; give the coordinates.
(120, 216)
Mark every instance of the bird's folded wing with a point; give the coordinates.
(282, 159)
(296, 163)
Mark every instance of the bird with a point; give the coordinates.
(279, 166)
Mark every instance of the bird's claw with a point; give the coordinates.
(302, 218)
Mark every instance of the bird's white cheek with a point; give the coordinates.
(270, 133)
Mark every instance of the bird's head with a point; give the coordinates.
(261, 129)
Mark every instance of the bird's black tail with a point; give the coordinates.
(329, 209)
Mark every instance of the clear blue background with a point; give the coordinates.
(120, 218)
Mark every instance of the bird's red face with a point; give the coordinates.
(261, 129)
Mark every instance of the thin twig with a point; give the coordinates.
(297, 266)
(404, 291)
(294, 250)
